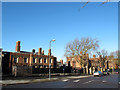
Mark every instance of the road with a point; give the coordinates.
(110, 81)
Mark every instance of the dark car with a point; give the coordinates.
(106, 72)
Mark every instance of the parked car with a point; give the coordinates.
(98, 73)
(106, 72)
(116, 72)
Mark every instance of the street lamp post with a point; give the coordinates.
(50, 58)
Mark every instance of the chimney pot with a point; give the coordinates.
(40, 51)
(33, 51)
(17, 49)
(94, 55)
(49, 52)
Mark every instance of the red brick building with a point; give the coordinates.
(92, 64)
(12, 61)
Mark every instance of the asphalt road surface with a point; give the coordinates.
(110, 81)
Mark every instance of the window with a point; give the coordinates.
(35, 66)
(34, 60)
(40, 60)
(51, 66)
(47, 66)
(15, 60)
(45, 60)
(40, 66)
(25, 60)
(51, 60)
(44, 66)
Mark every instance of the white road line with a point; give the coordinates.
(88, 82)
(76, 81)
(85, 82)
(104, 81)
(65, 80)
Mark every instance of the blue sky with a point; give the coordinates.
(35, 24)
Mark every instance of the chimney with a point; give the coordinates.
(17, 49)
(94, 56)
(49, 52)
(42, 52)
(61, 61)
(33, 51)
(39, 51)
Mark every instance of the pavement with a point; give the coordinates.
(26, 81)
(109, 81)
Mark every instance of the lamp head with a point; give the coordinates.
(53, 40)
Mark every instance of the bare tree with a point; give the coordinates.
(103, 57)
(115, 54)
(115, 57)
(89, 1)
(78, 49)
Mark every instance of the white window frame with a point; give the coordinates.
(17, 59)
(35, 60)
(26, 60)
(40, 59)
(41, 66)
(36, 66)
(51, 60)
(44, 60)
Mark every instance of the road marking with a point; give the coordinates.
(65, 80)
(76, 81)
(104, 81)
(88, 82)
(80, 76)
(85, 82)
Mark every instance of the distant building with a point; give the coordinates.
(59, 63)
(75, 62)
(92, 64)
(13, 61)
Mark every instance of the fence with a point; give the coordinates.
(53, 70)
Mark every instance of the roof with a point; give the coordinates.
(25, 52)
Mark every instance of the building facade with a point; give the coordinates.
(12, 61)
(59, 63)
(92, 64)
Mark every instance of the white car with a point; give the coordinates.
(98, 73)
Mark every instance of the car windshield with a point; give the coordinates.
(99, 71)
(96, 72)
